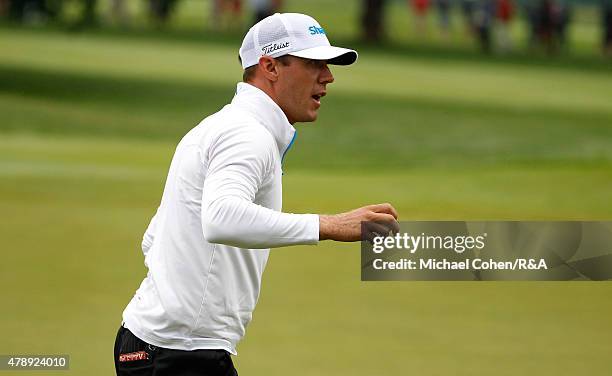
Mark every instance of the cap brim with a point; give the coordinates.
(333, 55)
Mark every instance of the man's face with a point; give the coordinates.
(301, 85)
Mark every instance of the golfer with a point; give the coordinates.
(207, 245)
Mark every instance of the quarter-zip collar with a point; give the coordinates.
(267, 112)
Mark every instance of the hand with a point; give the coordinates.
(346, 227)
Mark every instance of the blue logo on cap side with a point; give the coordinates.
(316, 30)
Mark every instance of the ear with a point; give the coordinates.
(269, 68)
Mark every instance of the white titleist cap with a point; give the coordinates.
(291, 34)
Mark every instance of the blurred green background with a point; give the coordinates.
(88, 125)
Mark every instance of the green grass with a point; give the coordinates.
(88, 124)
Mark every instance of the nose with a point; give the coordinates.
(326, 76)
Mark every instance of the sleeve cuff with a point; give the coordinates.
(312, 229)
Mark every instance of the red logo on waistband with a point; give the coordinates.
(130, 357)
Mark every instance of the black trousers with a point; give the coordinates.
(135, 357)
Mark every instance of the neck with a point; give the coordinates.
(268, 88)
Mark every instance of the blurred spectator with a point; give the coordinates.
(263, 8)
(235, 11)
(161, 10)
(444, 16)
(531, 10)
(419, 9)
(544, 24)
(505, 14)
(561, 16)
(483, 20)
(226, 14)
(550, 20)
(372, 20)
(606, 16)
(277, 5)
(467, 8)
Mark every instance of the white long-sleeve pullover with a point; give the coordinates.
(207, 246)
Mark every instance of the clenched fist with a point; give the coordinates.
(346, 227)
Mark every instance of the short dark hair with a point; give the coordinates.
(249, 72)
